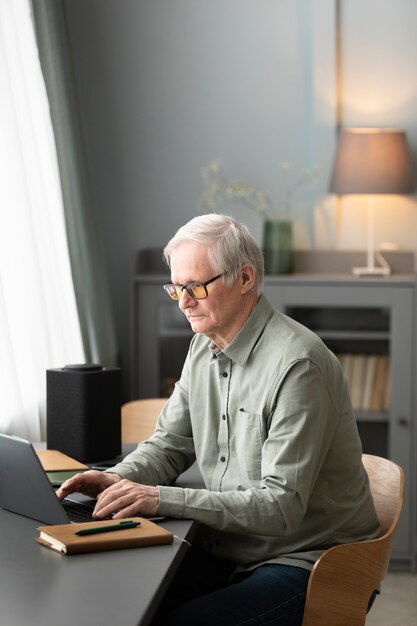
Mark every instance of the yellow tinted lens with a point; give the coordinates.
(197, 290)
(174, 291)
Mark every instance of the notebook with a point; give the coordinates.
(66, 538)
(25, 488)
(56, 461)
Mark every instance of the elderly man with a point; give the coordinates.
(263, 407)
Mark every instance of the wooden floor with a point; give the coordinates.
(397, 603)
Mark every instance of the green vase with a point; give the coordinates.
(278, 251)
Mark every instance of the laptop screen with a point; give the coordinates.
(24, 485)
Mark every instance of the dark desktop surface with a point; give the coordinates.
(123, 587)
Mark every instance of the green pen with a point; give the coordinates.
(107, 529)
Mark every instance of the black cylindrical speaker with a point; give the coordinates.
(83, 411)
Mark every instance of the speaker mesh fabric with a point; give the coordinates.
(83, 412)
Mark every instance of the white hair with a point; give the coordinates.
(230, 245)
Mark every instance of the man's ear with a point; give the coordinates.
(247, 278)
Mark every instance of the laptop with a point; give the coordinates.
(26, 489)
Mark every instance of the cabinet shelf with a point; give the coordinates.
(363, 319)
(372, 416)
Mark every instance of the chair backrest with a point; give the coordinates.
(386, 480)
(344, 577)
(139, 418)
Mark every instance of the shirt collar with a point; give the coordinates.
(242, 345)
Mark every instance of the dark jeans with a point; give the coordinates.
(202, 595)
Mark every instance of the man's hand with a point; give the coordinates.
(127, 499)
(90, 483)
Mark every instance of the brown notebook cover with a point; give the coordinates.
(62, 537)
(55, 461)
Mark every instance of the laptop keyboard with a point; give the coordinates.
(80, 511)
(83, 512)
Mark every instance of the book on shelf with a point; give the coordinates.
(63, 538)
(368, 380)
(346, 361)
(386, 398)
(358, 377)
(381, 383)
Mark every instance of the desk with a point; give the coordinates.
(118, 588)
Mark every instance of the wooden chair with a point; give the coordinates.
(139, 418)
(344, 577)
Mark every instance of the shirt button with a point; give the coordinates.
(223, 417)
(224, 374)
(222, 459)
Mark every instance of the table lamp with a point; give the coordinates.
(372, 161)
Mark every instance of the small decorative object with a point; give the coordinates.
(277, 246)
(278, 228)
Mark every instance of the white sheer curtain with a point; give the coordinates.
(39, 326)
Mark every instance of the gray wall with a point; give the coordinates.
(165, 86)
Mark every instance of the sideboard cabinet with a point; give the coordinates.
(368, 323)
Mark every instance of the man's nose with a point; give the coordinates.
(186, 300)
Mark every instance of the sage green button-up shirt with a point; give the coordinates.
(270, 422)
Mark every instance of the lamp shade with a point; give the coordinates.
(372, 161)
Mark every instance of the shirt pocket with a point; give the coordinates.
(248, 443)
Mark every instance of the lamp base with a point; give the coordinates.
(371, 271)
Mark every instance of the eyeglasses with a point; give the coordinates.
(196, 290)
